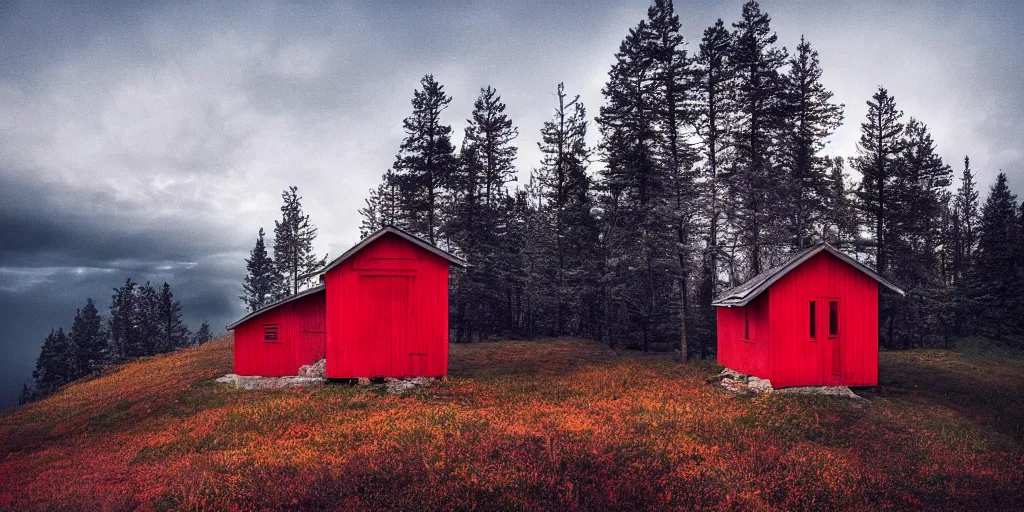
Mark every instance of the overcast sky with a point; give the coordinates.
(154, 141)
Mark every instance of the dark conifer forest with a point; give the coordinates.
(143, 321)
(711, 167)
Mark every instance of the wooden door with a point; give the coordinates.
(313, 334)
(831, 322)
(825, 332)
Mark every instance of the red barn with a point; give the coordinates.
(382, 311)
(811, 321)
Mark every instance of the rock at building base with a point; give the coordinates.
(737, 382)
(256, 382)
(317, 369)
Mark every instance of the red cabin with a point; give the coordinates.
(812, 321)
(382, 311)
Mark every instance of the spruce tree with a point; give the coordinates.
(810, 117)
(477, 189)
(914, 238)
(840, 223)
(963, 240)
(642, 269)
(258, 289)
(676, 118)
(713, 84)
(89, 339)
(122, 322)
(566, 233)
(294, 260)
(425, 161)
(202, 335)
(173, 334)
(756, 183)
(381, 206)
(994, 289)
(55, 366)
(881, 143)
(147, 321)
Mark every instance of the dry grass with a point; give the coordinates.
(557, 424)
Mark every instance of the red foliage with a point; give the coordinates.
(563, 425)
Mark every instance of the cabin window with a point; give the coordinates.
(812, 320)
(270, 332)
(833, 318)
(746, 324)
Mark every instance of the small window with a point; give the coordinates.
(270, 332)
(746, 324)
(813, 320)
(833, 318)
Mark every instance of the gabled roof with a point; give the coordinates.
(286, 300)
(454, 260)
(742, 295)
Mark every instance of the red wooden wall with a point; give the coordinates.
(748, 354)
(780, 347)
(301, 338)
(388, 312)
(800, 361)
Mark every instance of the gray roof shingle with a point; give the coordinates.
(742, 295)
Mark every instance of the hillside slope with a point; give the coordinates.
(557, 424)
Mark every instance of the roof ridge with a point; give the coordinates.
(742, 294)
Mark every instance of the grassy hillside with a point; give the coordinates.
(559, 424)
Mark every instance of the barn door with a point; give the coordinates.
(388, 330)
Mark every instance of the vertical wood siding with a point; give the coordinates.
(799, 361)
(387, 312)
(781, 348)
(748, 355)
(300, 338)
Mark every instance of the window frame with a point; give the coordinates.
(833, 318)
(812, 320)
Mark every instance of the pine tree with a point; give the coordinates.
(258, 289)
(55, 366)
(489, 134)
(89, 339)
(963, 240)
(478, 191)
(381, 208)
(994, 287)
(914, 238)
(714, 110)
(29, 392)
(121, 324)
(173, 334)
(754, 178)
(294, 260)
(202, 335)
(147, 321)
(425, 161)
(839, 224)
(879, 148)
(641, 266)
(566, 232)
(676, 116)
(810, 117)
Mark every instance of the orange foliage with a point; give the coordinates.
(560, 424)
